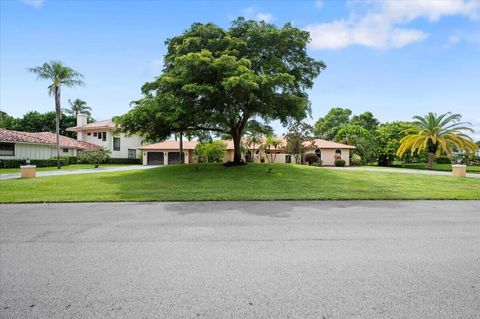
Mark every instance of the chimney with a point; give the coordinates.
(81, 119)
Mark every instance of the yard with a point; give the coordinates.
(63, 168)
(249, 182)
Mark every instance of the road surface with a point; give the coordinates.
(338, 259)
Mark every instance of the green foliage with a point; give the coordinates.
(388, 140)
(299, 140)
(78, 106)
(217, 80)
(312, 159)
(365, 120)
(270, 146)
(95, 157)
(356, 160)
(212, 152)
(126, 161)
(339, 163)
(443, 160)
(16, 163)
(326, 127)
(34, 121)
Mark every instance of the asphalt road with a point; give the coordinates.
(363, 259)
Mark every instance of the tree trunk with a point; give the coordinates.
(182, 157)
(237, 155)
(57, 122)
(431, 158)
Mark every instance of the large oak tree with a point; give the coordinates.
(217, 80)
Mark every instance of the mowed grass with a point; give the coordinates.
(439, 167)
(63, 168)
(249, 182)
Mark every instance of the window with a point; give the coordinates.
(116, 143)
(338, 154)
(94, 133)
(104, 136)
(7, 149)
(318, 152)
(132, 153)
(99, 135)
(288, 158)
(88, 134)
(65, 150)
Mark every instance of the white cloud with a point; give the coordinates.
(254, 13)
(33, 3)
(267, 17)
(319, 4)
(382, 24)
(453, 39)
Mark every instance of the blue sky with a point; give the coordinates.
(393, 58)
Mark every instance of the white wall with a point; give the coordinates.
(126, 142)
(37, 151)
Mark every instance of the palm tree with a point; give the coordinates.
(271, 142)
(59, 75)
(78, 107)
(436, 133)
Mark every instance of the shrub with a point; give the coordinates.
(443, 160)
(95, 157)
(340, 163)
(356, 160)
(122, 161)
(211, 152)
(16, 163)
(313, 159)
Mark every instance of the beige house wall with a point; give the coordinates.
(38, 151)
(327, 156)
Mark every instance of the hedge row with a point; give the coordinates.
(16, 163)
(64, 161)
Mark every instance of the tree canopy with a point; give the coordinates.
(217, 80)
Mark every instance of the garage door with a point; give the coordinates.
(173, 158)
(155, 158)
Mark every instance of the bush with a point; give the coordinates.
(340, 163)
(443, 160)
(95, 157)
(16, 163)
(72, 160)
(212, 152)
(356, 160)
(122, 161)
(312, 159)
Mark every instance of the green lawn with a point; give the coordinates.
(64, 168)
(438, 167)
(250, 182)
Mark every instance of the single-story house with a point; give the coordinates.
(42, 145)
(167, 152)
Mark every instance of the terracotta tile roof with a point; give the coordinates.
(105, 124)
(190, 145)
(170, 145)
(43, 138)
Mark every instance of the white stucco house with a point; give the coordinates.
(27, 145)
(102, 133)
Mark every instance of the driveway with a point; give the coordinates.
(402, 171)
(83, 171)
(336, 259)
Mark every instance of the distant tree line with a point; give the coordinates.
(34, 121)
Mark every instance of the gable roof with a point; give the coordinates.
(48, 138)
(105, 124)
